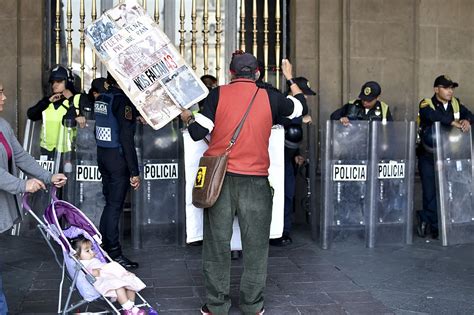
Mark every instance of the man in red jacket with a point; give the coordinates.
(246, 191)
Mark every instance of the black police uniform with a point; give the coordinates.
(356, 111)
(117, 160)
(293, 138)
(429, 214)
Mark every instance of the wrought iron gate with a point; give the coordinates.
(205, 31)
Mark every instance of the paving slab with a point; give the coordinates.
(423, 278)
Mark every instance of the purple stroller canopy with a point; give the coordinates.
(71, 214)
(60, 209)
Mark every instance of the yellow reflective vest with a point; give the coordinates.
(53, 133)
(384, 111)
(454, 103)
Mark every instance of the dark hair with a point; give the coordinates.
(77, 243)
(244, 76)
(209, 81)
(261, 68)
(70, 86)
(208, 77)
(110, 79)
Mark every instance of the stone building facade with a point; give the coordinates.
(337, 44)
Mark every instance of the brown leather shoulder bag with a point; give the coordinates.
(212, 169)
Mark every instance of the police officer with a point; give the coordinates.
(63, 103)
(367, 107)
(449, 111)
(210, 82)
(97, 88)
(293, 158)
(115, 117)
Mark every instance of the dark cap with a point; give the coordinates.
(303, 84)
(110, 79)
(445, 81)
(58, 73)
(98, 85)
(369, 91)
(243, 63)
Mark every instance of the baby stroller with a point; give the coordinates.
(76, 224)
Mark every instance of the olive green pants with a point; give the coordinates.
(249, 198)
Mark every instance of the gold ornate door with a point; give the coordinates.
(206, 32)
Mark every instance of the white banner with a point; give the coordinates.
(194, 216)
(144, 62)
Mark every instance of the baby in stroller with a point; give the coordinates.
(112, 280)
(85, 263)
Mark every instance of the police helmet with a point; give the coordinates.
(59, 73)
(294, 133)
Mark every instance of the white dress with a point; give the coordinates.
(112, 277)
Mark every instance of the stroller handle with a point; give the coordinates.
(27, 206)
(53, 193)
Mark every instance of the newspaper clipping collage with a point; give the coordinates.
(147, 66)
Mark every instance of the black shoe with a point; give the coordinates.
(196, 243)
(421, 226)
(434, 234)
(282, 241)
(125, 262)
(421, 229)
(235, 254)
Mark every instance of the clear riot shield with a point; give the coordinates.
(158, 206)
(311, 200)
(454, 181)
(345, 155)
(41, 199)
(84, 185)
(392, 156)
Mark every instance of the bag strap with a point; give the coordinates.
(239, 127)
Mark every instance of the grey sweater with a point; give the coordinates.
(10, 185)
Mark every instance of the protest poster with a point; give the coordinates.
(147, 66)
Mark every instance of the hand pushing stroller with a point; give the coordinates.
(77, 224)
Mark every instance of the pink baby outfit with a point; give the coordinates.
(112, 277)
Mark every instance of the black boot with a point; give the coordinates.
(282, 241)
(421, 226)
(125, 262)
(116, 254)
(235, 254)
